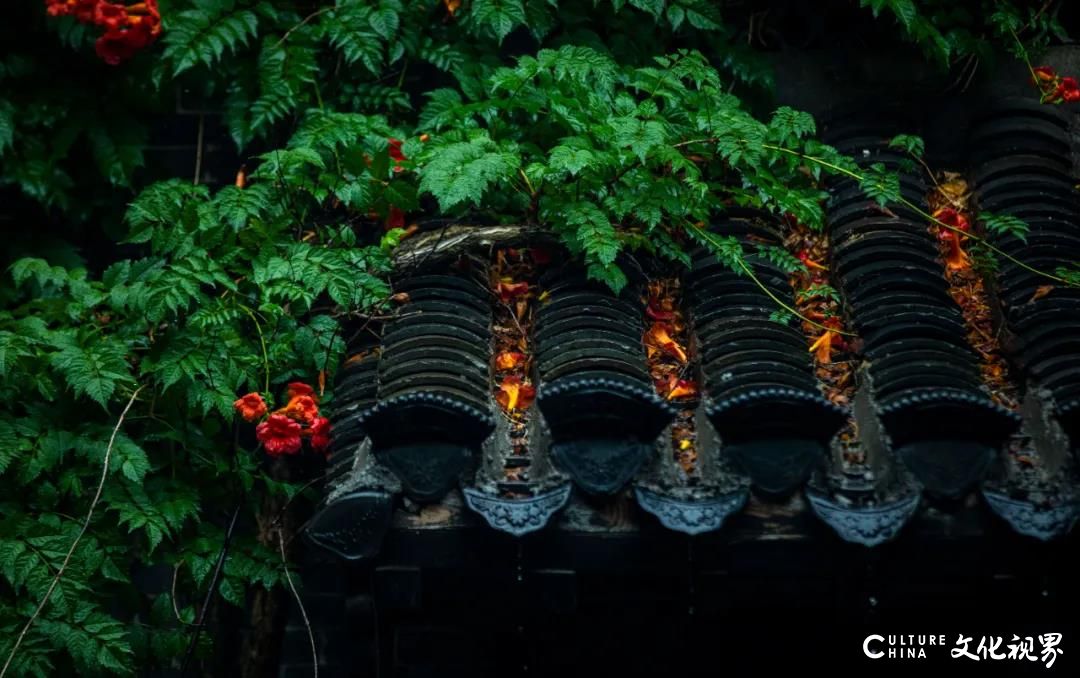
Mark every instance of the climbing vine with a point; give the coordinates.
(618, 126)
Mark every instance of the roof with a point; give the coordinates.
(916, 408)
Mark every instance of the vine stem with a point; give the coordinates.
(71, 551)
(262, 343)
(790, 309)
(920, 211)
(199, 149)
(215, 578)
(300, 604)
(1027, 60)
(303, 22)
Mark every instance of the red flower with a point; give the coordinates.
(320, 434)
(395, 150)
(82, 10)
(955, 257)
(684, 388)
(298, 388)
(515, 394)
(658, 338)
(1043, 74)
(110, 15)
(113, 48)
(59, 7)
(951, 217)
(395, 219)
(1068, 90)
(279, 435)
(396, 155)
(117, 46)
(128, 29)
(829, 339)
(508, 290)
(302, 408)
(250, 407)
(804, 256)
(508, 360)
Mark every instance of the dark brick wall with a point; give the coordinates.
(656, 604)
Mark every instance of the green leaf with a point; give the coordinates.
(498, 16)
(788, 125)
(569, 159)
(462, 172)
(1005, 224)
(352, 30)
(10, 444)
(287, 72)
(639, 135)
(785, 260)
(905, 11)
(880, 185)
(200, 36)
(609, 274)
(385, 22)
(163, 206)
(94, 371)
(782, 316)
(820, 290)
(118, 152)
(1070, 274)
(909, 144)
(653, 7)
(595, 236)
(237, 207)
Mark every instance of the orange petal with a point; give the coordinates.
(822, 347)
(656, 313)
(355, 358)
(508, 360)
(684, 388)
(658, 337)
(508, 290)
(804, 256)
(674, 349)
(515, 394)
(508, 393)
(957, 258)
(526, 396)
(1041, 291)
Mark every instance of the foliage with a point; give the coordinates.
(612, 158)
(219, 273)
(577, 115)
(1004, 224)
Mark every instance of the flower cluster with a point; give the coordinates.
(1054, 88)
(284, 430)
(955, 257)
(817, 302)
(666, 340)
(128, 28)
(395, 217)
(395, 154)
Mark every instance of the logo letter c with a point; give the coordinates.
(866, 646)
